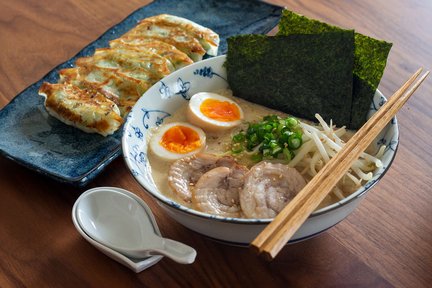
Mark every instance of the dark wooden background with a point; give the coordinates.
(386, 242)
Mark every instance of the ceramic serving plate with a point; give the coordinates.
(166, 96)
(29, 136)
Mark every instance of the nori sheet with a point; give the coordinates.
(370, 57)
(300, 74)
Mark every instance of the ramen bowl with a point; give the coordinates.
(166, 96)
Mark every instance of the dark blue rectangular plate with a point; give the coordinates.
(29, 136)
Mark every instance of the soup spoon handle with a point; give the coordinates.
(172, 249)
(178, 251)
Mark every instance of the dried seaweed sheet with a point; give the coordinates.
(297, 74)
(369, 61)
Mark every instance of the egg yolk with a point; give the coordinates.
(223, 111)
(180, 139)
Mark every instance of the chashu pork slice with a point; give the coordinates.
(208, 39)
(170, 34)
(178, 58)
(114, 85)
(87, 110)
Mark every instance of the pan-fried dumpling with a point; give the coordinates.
(118, 87)
(138, 77)
(143, 55)
(208, 39)
(175, 56)
(103, 88)
(97, 74)
(89, 111)
(138, 73)
(173, 35)
(157, 66)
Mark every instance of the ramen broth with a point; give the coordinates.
(219, 144)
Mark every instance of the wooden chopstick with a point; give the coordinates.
(271, 240)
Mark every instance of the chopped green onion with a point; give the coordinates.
(266, 152)
(291, 122)
(269, 137)
(237, 148)
(254, 139)
(287, 154)
(273, 144)
(240, 137)
(276, 137)
(294, 141)
(276, 150)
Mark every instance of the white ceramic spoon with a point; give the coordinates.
(117, 220)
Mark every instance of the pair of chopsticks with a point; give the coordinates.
(271, 240)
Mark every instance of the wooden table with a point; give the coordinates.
(386, 242)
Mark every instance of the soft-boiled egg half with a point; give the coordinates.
(213, 112)
(177, 140)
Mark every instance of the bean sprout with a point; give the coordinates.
(322, 143)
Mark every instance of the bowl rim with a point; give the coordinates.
(189, 211)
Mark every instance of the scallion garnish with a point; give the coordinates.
(276, 137)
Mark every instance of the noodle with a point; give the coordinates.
(322, 143)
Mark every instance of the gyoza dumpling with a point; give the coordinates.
(94, 95)
(89, 111)
(76, 77)
(174, 55)
(118, 87)
(207, 38)
(157, 66)
(137, 74)
(170, 34)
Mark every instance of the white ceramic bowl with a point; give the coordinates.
(161, 100)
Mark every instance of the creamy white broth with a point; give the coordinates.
(218, 144)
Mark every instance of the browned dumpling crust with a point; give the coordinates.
(87, 110)
(113, 84)
(170, 34)
(131, 58)
(208, 39)
(97, 94)
(174, 55)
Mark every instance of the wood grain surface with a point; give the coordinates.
(386, 242)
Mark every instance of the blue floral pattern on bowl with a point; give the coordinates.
(207, 72)
(210, 75)
(154, 101)
(181, 88)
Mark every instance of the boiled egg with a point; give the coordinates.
(177, 140)
(213, 112)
